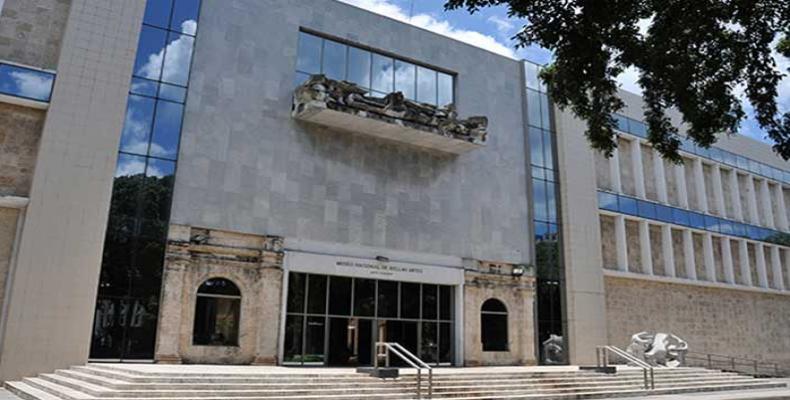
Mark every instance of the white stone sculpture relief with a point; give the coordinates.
(659, 349)
(553, 352)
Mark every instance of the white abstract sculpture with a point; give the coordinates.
(658, 349)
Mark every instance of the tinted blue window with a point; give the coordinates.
(334, 60)
(137, 126)
(551, 202)
(545, 113)
(167, 128)
(539, 200)
(406, 79)
(541, 231)
(157, 12)
(729, 158)
(739, 229)
(531, 72)
(308, 59)
(383, 73)
(172, 92)
(607, 201)
(725, 227)
(539, 172)
(628, 205)
(24, 82)
(150, 53)
(426, 85)
(712, 223)
(687, 145)
(129, 165)
(143, 87)
(536, 146)
(300, 78)
(743, 162)
(533, 108)
(160, 168)
(185, 15)
(638, 128)
(622, 122)
(716, 154)
(177, 59)
(680, 217)
(646, 209)
(663, 213)
(696, 220)
(359, 67)
(445, 84)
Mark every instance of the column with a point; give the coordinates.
(638, 168)
(751, 199)
(743, 259)
(726, 260)
(779, 199)
(660, 176)
(718, 192)
(621, 243)
(759, 256)
(765, 204)
(735, 195)
(614, 171)
(699, 184)
(709, 260)
(680, 178)
(644, 248)
(668, 251)
(688, 254)
(776, 266)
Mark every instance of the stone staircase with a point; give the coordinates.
(121, 382)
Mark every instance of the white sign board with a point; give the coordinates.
(372, 269)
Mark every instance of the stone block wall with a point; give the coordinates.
(20, 132)
(723, 321)
(31, 31)
(8, 227)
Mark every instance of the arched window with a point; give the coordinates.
(217, 313)
(493, 325)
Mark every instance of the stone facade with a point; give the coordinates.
(31, 31)
(716, 320)
(252, 262)
(8, 228)
(20, 132)
(486, 280)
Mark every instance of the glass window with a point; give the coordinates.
(445, 302)
(426, 85)
(388, 299)
(680, 216)
(493, 326)
(628, 205)
(143, 87)
(217, 313)
(429, 346)
(157, 192)
(545, 113)
(531, 72)
(445, 342)
(551, 202)
(445, 90)
(292, 350)
(383, 74)
(339, 295)
(150, 53)
(536, 147)
(697, 220)
(172, 92)
(410, 300)
(178, 55)
(429, 301)
(646, 209)
(607, 201)
(296, 292)
(309, 54)
(621, 122)
(314, 340)
(316, 294)
(540, 201)
(359, 67)
(548, 148)
(364, 297)
(167, 130)
(137, 126)
(663, 213)
(185, 15)
(334, 62)
(405, 79)
(638, 128)
(533, 108)
(157, 12)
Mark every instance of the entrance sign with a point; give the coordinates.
(372, 269)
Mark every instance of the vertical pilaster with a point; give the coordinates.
(708, 259)
(735, 195)
(759, 257)
(614, 171)
(699, 185)
(751, 199)
(688, 254)
(644, 248)
(779, 199)
(743, 260)
(680, 179)
(718, 192)
(638, 168)
(776, 266)
(726, 260)
(621, 243)
(660, 176)
(765, 204)
(668, 251)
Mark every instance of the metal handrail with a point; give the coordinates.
(410, 359)
(602, 355)
(734, 364)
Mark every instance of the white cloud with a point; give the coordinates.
(176, 66)
(37, 86)
(503, 25)
(442, 27)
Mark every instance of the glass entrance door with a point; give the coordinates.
(350, 342)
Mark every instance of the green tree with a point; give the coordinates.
(694, 56)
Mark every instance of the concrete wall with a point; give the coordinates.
(246, 166)
(723, 321)
(8, 228)
(53, 291)
(31, 31)
(20, 131)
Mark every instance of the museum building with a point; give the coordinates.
(269, 182)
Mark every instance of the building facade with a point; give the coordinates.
(266, 182)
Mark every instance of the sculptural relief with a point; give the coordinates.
(553, 352)
(658, 349)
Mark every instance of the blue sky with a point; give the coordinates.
(492, 29)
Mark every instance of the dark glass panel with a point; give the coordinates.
(410, 300)
(157, 12)
(150, 53)
(137, 126)
(157, 190)
(309, 54)
(178, 56)
(405, 79)
(172, 92)
(539, 199)
(429, 348)
(314, 339)
(383, 73)
(429, 301)
(364, 297)
(536, 147)
(339, 295)
(426, 85)
(445, 342)
(108, 326)
(316, 294)
(494, 332)
(334, 60)
(296, 291)
(493, 305)
(185, 16)
(216, 321)
(359, 67)
(167, 130)
(388, 299)
(144, 87)
(445, 302)
(219, 286)
(292, 350)
(445, 83)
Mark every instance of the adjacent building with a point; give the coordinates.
(268, 182)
